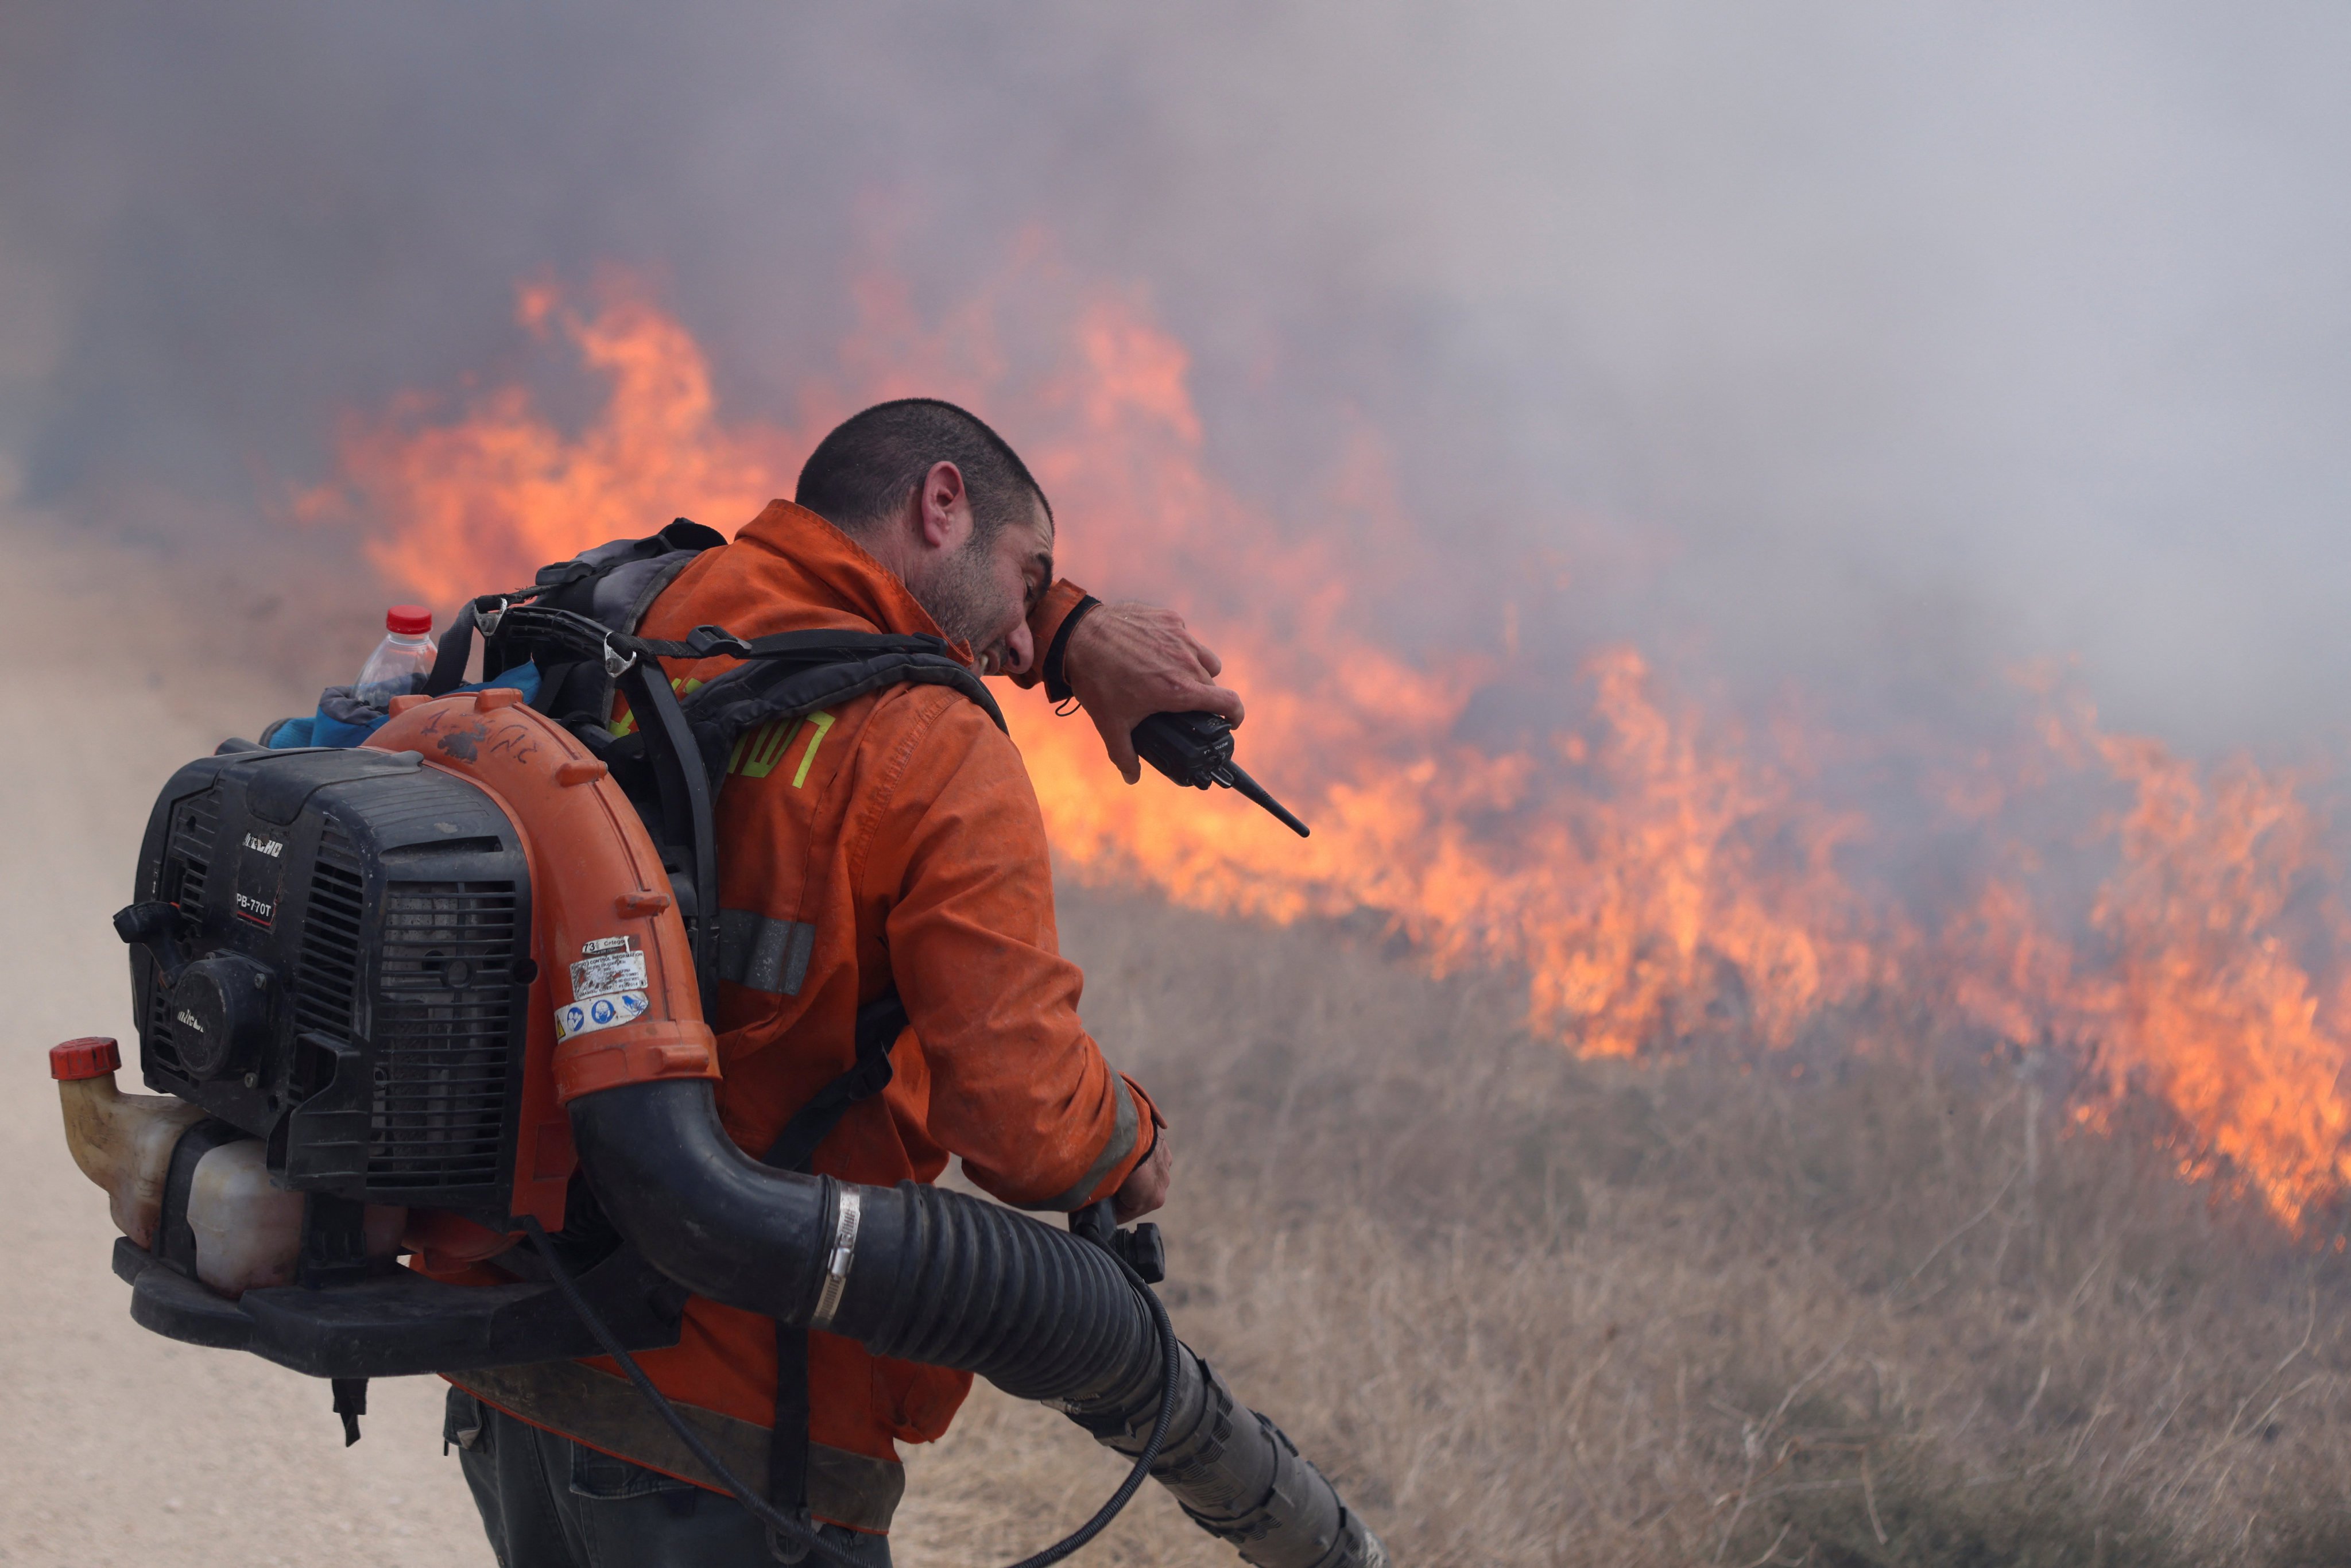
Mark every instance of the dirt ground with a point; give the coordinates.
(121, 1447)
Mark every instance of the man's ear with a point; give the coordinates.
(943, 509)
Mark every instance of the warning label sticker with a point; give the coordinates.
(607, 944)
(606, 973)
(601, 1012)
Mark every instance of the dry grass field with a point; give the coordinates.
(1808, 1308)
(1820, 1307)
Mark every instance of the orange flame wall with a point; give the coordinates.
(1651, 868)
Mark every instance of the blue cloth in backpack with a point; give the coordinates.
(343, 719)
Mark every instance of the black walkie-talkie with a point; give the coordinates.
(1196, 749)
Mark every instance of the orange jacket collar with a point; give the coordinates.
(809, 560)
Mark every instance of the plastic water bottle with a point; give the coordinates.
(401, 661)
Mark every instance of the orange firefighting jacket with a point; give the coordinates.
(896, 841)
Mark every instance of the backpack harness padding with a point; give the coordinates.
(577, 624)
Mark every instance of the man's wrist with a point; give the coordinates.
(1057, 682)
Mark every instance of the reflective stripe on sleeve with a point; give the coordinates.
(1121, 1144)
(762, 953)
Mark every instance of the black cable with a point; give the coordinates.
(761, 1509)
(1170, 1381)
(768, 1515)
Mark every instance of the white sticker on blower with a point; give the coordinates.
(600, 1013)
(602, 974)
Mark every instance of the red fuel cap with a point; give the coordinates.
(92, 1056)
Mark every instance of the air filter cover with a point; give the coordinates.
(356, 930)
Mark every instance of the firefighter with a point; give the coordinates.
(892, 849)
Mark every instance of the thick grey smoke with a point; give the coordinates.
(1870, 347)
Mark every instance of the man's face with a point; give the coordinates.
(981, 592)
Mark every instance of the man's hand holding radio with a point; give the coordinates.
(1128, 661)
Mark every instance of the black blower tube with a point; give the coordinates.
(935, 1277)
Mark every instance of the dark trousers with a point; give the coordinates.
(548, 1503)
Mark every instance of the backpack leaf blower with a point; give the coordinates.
(437, 993)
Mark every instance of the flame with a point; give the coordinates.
(2193, 978)
(492, 496)
(1659, 873)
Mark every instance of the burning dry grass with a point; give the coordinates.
(1641, 856)
(1800, 1307)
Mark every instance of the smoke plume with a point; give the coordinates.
(1633, 448)
(1830, 341)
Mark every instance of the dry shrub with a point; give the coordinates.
(1834, 1305)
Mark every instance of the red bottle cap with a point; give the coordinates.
(409, 620)
(93, 1056)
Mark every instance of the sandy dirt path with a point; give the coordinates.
(119, 1447)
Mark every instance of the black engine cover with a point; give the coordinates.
(353, 938)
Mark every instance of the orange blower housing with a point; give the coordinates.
(395, 965)
(612, 998)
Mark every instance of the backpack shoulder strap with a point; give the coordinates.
(793, 674)
(614, 585)
(879, 1024)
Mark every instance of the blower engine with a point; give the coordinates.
(398, 994)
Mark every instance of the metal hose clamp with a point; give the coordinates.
(846, 1214)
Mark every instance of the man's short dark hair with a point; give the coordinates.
(864, 472)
